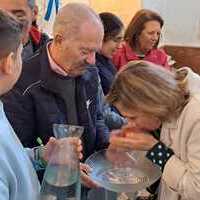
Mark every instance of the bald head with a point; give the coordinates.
(78, 35)
(72, 17)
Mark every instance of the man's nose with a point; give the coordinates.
(91, 58)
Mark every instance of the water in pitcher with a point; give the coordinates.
(62, 176)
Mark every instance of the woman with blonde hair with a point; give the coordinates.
(151, 97)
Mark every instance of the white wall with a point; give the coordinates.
(182, 20)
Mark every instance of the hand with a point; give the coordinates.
(130, 140)
(85, 179)
(58, 145)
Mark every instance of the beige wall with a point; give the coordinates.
(81, 1)
(125, 9)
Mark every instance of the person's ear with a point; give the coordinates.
(7, 64)
(58, 39)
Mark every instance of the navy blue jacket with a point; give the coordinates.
(107, 72)
(34, 105)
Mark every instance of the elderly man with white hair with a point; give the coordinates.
(58, 84)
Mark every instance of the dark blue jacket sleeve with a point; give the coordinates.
(101, 129)
(20, 113)
(113, 120)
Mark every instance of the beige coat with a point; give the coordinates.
(181, 175)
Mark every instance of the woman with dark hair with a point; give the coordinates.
(113, 35)
(141, 40)
(150, 96)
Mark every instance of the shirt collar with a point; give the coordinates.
(54, 66)
(131, 55)
(171, 124)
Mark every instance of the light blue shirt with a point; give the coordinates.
(18, 179)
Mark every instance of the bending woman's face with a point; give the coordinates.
(110, 46)
(149, 36)
(139, 121)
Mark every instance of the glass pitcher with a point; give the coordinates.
(62, 176)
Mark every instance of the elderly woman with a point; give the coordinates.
(141, 40)
(151, 97)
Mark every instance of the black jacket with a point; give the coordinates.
(32, 47)
(34, 105)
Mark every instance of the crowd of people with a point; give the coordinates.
(100, 75)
